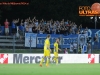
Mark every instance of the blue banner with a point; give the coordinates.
(64, 43)
(42, 37)
(65, 40)
(30, 39)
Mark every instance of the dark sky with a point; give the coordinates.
(37, 9)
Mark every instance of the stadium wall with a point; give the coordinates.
(35, 58)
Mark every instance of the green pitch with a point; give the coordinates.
(62, 69)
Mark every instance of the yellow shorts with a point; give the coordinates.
(46, 53)
(55, 54)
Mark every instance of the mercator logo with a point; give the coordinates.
(27, 59)
(91, 58)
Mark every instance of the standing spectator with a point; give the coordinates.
(21, 29)
(34, 27)
(96, 41)
(71, 48)
(30, 28)
(60, 30)
(6, 23)
(89, 48)
(0, 30)
(66, 23)
(65, 31)
(25, 23)
(66, 51)
(14, 28)
(70, 31)
(77, 32)
(75, 47)
(57, 31)
(44, 22)
(34, 19)
(27, 29)
(79, 49)
(86, 31)
(76, 29)
(36, 23)
(41, 31)
(49, 31)
(53, 30)
(73, 29)
(80, 27)
(46, 30)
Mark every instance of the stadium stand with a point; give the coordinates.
(9, 41)
(39, 27)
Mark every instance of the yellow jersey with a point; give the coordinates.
(46, 43)
(55, 47)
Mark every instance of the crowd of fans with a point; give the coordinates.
(29, 25)
(51, 27)
(43, 27)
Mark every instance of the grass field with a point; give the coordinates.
(61, 69)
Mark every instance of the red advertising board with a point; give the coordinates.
(3, 58)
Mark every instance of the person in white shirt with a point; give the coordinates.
(25, 23)
(41, 31)
(71, 48)
(36, 23)
(81, 40)
(30, 28)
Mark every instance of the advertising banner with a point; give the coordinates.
(63, 58)
(64, 42)
(37, 40)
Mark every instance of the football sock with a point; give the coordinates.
(42, 60)
(56, 60)
(47, 62)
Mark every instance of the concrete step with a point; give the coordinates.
(8, 37)
(10, 40)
